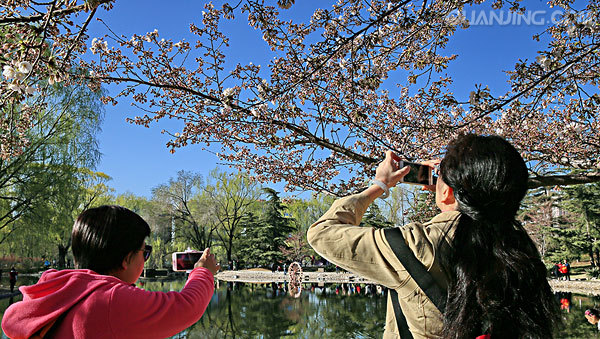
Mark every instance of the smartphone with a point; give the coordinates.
(185, 261)
(419, 174)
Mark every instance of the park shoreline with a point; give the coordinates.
(583, 287)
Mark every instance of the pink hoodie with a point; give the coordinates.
(101, 306)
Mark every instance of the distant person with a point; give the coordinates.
(563, 270)
(567, 269)
(12, 278)
(490, 276)
(555, 271)
(565, 301)
(99, 298)
(593, 317)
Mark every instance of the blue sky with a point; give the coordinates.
(136, 157)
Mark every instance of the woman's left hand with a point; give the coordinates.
(434, 164)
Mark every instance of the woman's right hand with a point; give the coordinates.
(388, 171)
(208, 261)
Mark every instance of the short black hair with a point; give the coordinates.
(103, 236)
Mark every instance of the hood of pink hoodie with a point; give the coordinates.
(54, 294)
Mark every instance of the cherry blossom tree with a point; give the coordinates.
(354, 79)
(39, 43)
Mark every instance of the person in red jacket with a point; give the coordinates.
(99, 299)
(563, 270)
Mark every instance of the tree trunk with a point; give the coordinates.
(597, 256)
(62, 255)
(230, 249)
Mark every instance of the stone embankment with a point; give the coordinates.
(586, 287)
(252, 276)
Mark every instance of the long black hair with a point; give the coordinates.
(497, 281)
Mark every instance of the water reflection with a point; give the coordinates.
(564, 300)
(268, 311)
(330, 311)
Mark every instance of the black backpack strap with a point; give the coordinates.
(399, 315)
(418, 272)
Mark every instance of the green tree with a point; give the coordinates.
(265, 238)
(374, 218)
(62, 142)
(137, 204)
(306, 212)
(74, 197)
(251, 239)
(231, 197)
(47, 184)
(180, 200)
(583, 233)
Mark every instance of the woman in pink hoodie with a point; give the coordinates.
(99, 299)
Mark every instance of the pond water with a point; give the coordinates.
(259, 311)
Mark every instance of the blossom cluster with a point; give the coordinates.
(15, 76)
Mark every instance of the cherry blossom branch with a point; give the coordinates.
(527, 89)
(58, 13)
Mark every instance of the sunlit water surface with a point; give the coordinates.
(259, 311)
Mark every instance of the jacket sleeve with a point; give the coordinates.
(361, 250)
(136, 313)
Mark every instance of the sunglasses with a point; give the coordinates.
(147, 251)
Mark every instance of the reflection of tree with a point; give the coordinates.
(261, 316)
(242, 313)
(354, 316)
(253, 312)
(574, 323)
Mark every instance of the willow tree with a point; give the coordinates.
(56, 166)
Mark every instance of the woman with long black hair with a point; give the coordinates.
(474, 270)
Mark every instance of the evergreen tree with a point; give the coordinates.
(374, 218)
(277, 225)
(252, 242)
(263, 237)
(581, 201)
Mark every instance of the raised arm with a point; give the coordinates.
(136, 313)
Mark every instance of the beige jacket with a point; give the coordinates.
(365, 251)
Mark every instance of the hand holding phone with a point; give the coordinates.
(188, 260)
(419, 174)
(388, 170)
(208, 261)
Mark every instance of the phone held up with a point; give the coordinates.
(419, 174)
(185, 261)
